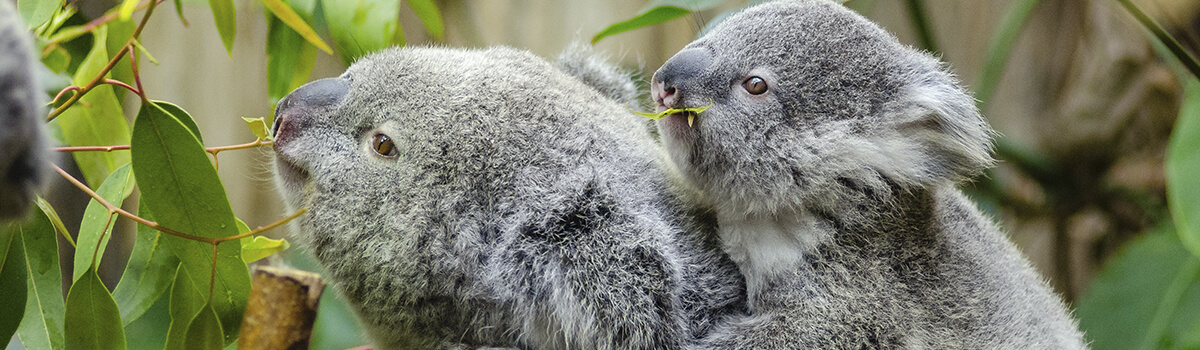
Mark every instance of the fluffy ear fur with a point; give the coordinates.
(938, 136)
(23, 150)
(594, 69)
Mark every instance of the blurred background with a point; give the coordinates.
(1085, 103)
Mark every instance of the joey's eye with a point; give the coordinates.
(755, 85)
(382, 144)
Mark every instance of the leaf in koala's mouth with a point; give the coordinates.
(691, 112)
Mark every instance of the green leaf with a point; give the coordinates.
(97, 225)
(656, 12)
(149, 273)
(293, 20)
(186, 302)
(180, 186)
(258, 247)
(37, 12)
(98, 119)
(55, 220)
(118, 35)
(226, 18)
(188, 122)
(1147, 296)
(42, 327)
(290, 58)
(1183, 163)
(360, 27)
(12, 280)
(428, 12)
(93, 321)
(204, 333)
(149, 332)
(179, 11)
(257, 127)
(126, 9)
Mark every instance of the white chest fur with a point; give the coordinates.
(767, 247)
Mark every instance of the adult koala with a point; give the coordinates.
(22, 143)
(475, 198)
(830, 153)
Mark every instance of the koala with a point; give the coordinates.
(465, 198)
(830, 154)
(23, 149)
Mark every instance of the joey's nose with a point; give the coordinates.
(295, 108)
(677, 75)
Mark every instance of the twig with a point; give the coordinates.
(122, 84)
(156, 226)
(212, 150)
(108, 67)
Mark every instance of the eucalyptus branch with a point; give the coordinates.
(122, 84)
(115, 209)
(108, 67)
(212, 150)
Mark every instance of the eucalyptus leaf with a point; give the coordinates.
(186, 302)
(97, 226)
(290, 58)
(93, 321)
(258, 247)
(1147, 296)
(37, 12)
(12, 280)
(360, 27)
(148, 274)
(188, 122)
(96, 120)
(226, 19)
(42, 326)
(180, 186)
(1183, 163)
(428, 12)
(298, 24)
(656, 12)
(204, 332)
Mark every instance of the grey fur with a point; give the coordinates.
(834, 190)
(23, 150)
(523, 209)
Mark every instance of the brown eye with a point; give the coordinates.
(384, 146)
(755, 85)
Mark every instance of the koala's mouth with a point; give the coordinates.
(291, 175)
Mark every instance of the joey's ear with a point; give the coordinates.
(594, 69)
(940, 117)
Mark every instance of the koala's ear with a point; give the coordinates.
(937, 123)
(593, 69)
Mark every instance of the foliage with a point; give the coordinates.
(187, 273)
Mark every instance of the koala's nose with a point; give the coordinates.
(296, 107)
(677, 74)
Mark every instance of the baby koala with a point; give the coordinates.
(23, 148)
(830, 153)
(484, 198)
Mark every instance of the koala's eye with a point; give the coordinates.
(755, 85)
(382, 144)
